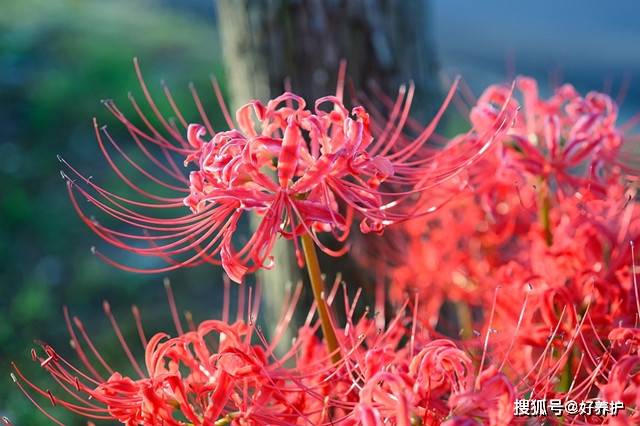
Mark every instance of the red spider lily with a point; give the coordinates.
(572, 244)
(558, 302)
(572, 140)
(587, 268)
(624, 385)
(304, 171)
(551, 268)
(221, 372)
(212, 374)
(493, 399)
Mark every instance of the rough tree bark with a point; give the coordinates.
(266, 42)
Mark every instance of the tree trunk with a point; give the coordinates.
(266, 42)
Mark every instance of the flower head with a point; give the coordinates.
(573, 140)
(211, 374)
(302, 170)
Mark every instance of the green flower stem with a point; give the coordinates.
(317, 285)
(544, 210)
(226, 420)
(465, 319)
(567, 375)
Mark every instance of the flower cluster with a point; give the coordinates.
(527, 224)
(226, 372)
(549, 221)
(223, 372)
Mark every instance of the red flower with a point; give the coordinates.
(304, 171)
(224, 372)
(570, 139)
(209, 375)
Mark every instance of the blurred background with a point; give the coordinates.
(59, 58)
